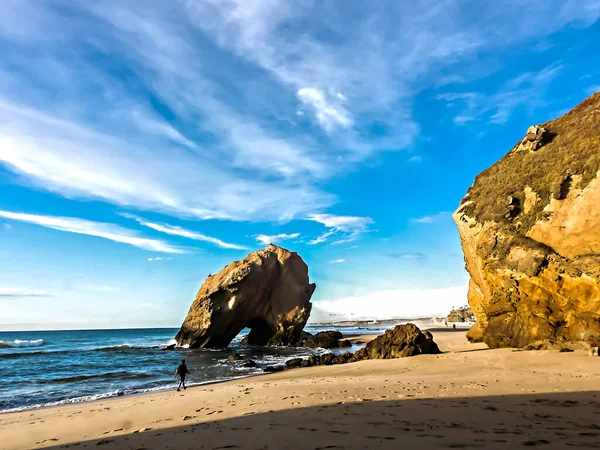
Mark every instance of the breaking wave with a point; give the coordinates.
(22, 343)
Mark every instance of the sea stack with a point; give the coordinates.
(268, 291)
(530, 232)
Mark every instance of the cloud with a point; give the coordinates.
(98, 229)
(430, 219)
(178, 231)
(417, 255)
(272, 239)
(399, 303)
(158, 258)
(348, 227)
(337, 261)
(527, 89)
(415, 159)
(198, 118)
(341, 223)
(328, 115)
(22, 293)
(592, 89)
(6, 226)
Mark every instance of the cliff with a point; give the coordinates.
(530, 232)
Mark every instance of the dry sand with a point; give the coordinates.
(469, 397)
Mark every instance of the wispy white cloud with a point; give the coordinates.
(272, 239)
(183, 133)
(179, 231)
(22, 293)
(430, 219)
(6, 226)
(322, 238)
(593, 89)
(337, 261)
(417, 255)
(158, 258)
(341, 223)
(346, 227)
(98, 229)
(526, 90)
(328, 114)
(415, 159)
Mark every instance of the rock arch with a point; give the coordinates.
(268, 291)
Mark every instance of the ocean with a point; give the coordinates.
(50, 368)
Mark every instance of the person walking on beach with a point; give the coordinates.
(182, 371)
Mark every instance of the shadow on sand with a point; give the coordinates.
(547, 421)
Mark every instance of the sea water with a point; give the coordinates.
(47, 368)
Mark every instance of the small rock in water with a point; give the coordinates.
(234, 357)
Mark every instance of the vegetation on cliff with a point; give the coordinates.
(546, 161)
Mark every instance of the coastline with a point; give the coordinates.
(469, 385)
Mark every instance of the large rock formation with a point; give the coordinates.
(268, 292)
(530, 231)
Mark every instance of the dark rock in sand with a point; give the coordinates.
(273, 369)
(402, 341)
(268, 291)
(234, 357)
(295, 362)
(324, 339)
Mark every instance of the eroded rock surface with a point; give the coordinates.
(268, 291)
(530, 232)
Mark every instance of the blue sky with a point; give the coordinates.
(144, 145)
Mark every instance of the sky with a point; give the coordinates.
(144, 145)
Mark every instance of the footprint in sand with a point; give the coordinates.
(535, 443)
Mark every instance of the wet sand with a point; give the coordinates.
(469, 397)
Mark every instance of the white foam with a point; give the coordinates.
(24, 343)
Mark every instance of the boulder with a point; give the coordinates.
(234, 357)
(534, 260)
(402, 341)
(324, 339)
(294, 362)
(268, 291)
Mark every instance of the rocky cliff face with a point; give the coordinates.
(464, 314)
(268, 292)
(530, 232)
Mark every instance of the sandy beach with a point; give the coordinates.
(468, 397)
